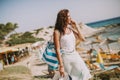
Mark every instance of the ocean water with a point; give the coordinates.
(103, 23)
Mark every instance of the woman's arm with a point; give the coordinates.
(81, 35)
(77, 33)
(57, 46)
(57, 49)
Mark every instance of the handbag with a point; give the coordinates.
(49, 56)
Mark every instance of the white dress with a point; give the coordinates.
(73, 63)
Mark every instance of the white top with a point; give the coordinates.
(67, 42)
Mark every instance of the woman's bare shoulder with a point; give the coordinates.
(56, 32)
(56, 35)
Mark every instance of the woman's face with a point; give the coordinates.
(69, 18)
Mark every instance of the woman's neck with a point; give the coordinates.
(67, 30)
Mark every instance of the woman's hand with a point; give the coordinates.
(73, 22)
(61, 70)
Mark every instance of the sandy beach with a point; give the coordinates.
(38, 68)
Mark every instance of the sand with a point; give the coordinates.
(39, 68)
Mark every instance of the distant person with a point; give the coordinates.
(9, 59)
(23, 53)
(66, 34)
(26, 51)
(12, 59)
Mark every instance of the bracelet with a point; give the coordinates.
(61, 65)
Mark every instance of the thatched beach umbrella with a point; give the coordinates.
(91, 43)
(107, 41)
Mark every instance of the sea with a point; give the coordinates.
(103, 23)
(112, 31)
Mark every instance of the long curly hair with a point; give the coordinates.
(62, 20)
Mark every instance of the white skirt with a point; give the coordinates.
(75, 66)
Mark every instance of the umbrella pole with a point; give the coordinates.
(108, 48)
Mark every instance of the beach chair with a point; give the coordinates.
(108, 68)
(101, 63)
(104, 69)
(114, 57)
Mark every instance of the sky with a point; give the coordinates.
(34, 14)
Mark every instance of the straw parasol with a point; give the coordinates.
(106, 42)
(7, 49)
(91, 43)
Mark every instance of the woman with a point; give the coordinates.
(66, 34)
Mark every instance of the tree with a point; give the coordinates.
(37, 31)
(5, 29)
(27, 34)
